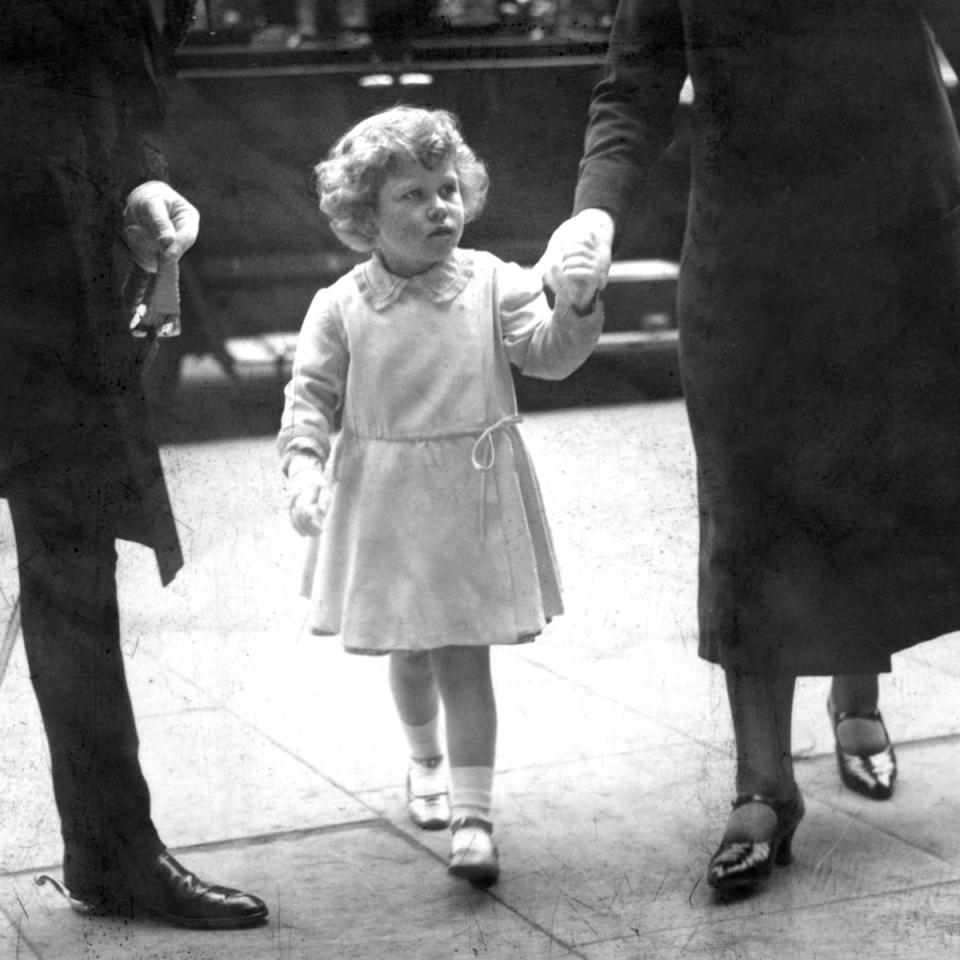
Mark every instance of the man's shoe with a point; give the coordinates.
(165, 889)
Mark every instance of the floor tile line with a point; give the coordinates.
(491, 892)
(885, 831)
(22, 938)
(631, 709)
(940, 738)
(546, 765)
(293, 755)
(233, 843)
(704, 921)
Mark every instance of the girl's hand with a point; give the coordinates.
(584, 265)
(309, 497)
(577, 258)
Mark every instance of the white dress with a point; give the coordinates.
(435, 533)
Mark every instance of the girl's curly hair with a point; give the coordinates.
(358, 164)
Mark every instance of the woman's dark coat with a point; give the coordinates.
(80, 115)
(819, 310)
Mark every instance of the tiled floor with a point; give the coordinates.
(276, 765)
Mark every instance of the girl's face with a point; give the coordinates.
(419, 217)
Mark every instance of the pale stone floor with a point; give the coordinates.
(276, 765)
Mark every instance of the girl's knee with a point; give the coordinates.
(455, 666)
(411, 665)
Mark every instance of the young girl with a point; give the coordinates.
(434, 541)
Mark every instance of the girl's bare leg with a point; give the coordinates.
(466, 686)
(413, 687)
(418, 704)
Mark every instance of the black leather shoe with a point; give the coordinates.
(165, 889)
(742, 863)
(869, 774)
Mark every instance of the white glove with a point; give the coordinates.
(577, 259)
(309, 496)
(159, 224)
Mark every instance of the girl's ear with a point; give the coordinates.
(369, 227)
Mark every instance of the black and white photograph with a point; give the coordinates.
(479, 479)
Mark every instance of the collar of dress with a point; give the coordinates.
(441, 283)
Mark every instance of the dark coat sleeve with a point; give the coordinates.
(944, 19)
(111, 48)
(631, 112)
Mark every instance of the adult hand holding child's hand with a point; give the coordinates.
(577, 259)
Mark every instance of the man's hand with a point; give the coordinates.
(159, 224)
(577, 259)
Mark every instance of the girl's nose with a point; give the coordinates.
(437, 211)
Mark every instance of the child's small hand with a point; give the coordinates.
(577, 258)
(584, 267)
(308, 497)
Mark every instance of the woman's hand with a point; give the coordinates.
(577, 259)
(309, 496)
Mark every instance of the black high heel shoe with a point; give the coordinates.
(740, 866)
(869, 774)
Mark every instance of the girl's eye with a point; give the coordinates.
(415, 194)
(448, 189)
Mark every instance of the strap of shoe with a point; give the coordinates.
(478, 822)
(838, 716)
(430, 762)
(745, 798)
(775, 805)
(855, 715)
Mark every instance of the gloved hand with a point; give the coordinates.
(309, 496)
(577, 259)
(159, 224)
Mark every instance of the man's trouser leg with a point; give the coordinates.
(67, 562)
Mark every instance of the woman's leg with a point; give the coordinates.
(865, 755)
(761, 706)
(768, 807)
(858, 694)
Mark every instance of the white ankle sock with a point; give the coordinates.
(471, 792)
(424, 740)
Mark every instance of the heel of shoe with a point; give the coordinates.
(790, 816)
(784, 854)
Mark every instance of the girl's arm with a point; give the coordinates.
(315, 391)
(540, 342)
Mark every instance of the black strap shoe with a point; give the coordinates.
(165, 889)
(742, 863)
(869, 774)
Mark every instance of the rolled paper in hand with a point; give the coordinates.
(163, 303)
